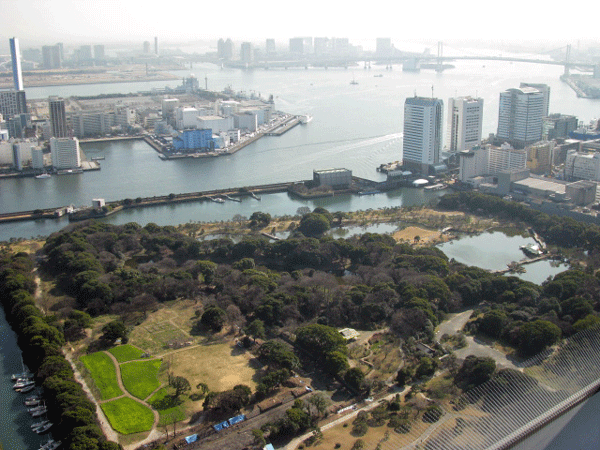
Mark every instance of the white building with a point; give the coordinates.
(37, 158)
(217, 124)
(520, 116)
(583, 166)
(465, 122)
(490, 160)
(185, 117)
(6, 153)
(65, 153)
(246, 121)
(545, 90)
(423, 119)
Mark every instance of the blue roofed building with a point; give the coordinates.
(198, 140)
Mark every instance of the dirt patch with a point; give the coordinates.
(417, 235)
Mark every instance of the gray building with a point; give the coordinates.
(12, 103)
(336, 178)
(557, 126)
(58, 119)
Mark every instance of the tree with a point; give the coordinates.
(213, 318)
(259, 219)
(302, 210)
(536, 336)
(114, 330)
(426, 367)
(319, 402)
(354, 377)
(474, 371)
(181, 385)
(256, 329)
(314, 224)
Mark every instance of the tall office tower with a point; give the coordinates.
(301, 45)
(65, 153)
(85, 53)
(15, 54)
(544, 89)
(51, 57)
(61, 50)
(323, 45)
(557, 126)
(270, 47)
(12, 103)
(422, 145)
(98, 52)
(58, 119)
(520, 116)
(383, 47)
(225, 49)
(246, 52)
(156, 45)
(465, 122)
(146, 47)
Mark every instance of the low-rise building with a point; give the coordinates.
(336, 178)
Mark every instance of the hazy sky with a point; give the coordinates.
(102, 21)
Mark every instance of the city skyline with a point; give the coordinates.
(112, 21)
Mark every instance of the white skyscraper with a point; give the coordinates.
(465, 122)
(520, 116)
(422, 142)
(65, 153)
(15, 54)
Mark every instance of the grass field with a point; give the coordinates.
(171, 322)
(140, 378)
(220, 366)
(104, 374)
(169, 409)
(126, 352)
(127, 416)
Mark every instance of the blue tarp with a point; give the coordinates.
(192, 438)
(221, 425)
(269, 447)
(237, 419)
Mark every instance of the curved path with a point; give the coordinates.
(154, 434)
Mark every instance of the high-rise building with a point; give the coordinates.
(270, 47)
(65, 153)
(146, 47)
(15, 54)
(12, 103)
(301, 45)
(51, 57)
(98, 52)
(545, 90)
(383, 47)
(156, 45)
(422, 144)
(520, 116)
(225, 49)
(246, 52)
(557, 126)
(58, 119)
(465, 122)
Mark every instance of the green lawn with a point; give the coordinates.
(126, 352)
(140, 378)
(169, 408)
(104, 373)
(127, 416)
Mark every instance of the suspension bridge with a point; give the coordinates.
(515, 403)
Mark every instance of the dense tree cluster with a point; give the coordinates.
(41, 338)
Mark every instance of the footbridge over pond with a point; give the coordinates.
(515, 403)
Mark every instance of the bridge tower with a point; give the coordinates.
(440, 52)
(567, 58)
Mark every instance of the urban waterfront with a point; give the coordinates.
(354, 126)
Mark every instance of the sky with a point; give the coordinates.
(39, 22)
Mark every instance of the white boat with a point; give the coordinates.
(23, 382)
(305, 119)
(39, 424)
(26, 389)
(43, 428)
(50, 445)
(32, 401)
(43, 176)
(39, 412)
(16, 376)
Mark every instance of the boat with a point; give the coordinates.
(305, 119)
(26, 389)
(23, 382)
(24, 374)
(217, 200)
(379, 75)
(50, 445)
(32, 401)
(531, 250)
(36, 409)
(353, 81)
(436, 187)
(43, 176)
(98, 158)
(39, 412)
(43, 428)
(39, 424)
